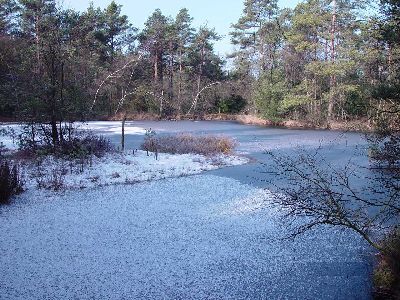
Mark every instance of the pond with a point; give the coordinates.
(208, 236)
(253, 141)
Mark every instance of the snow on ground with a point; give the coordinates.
(9, 140)
(106, 128)
(169, 240)
(111, 127)
(119, 168)
(114, 168)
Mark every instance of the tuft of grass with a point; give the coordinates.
(51, 179)
(188, 143)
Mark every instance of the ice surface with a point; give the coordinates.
(198, 237)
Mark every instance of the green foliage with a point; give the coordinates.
(232, 104)
(354, 101)
(269, 97)
(293, 101)
(331, 72)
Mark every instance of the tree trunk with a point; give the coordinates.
(123, 133)
(61, 102)
(54, 130)
(332, 81)
(200, 73)
(180, 84)
(156, 68)
(171, 74)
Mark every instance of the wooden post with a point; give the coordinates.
(123, 133)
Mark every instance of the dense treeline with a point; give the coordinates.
(319, 62)
(61, 65)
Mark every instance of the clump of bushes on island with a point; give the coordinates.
(188, 143)
(72, 144)
(74, 148)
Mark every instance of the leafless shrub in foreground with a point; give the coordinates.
(10, 181)
(323, 194)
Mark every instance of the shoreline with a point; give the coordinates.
(357, 125)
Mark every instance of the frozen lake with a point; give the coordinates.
(208, 236)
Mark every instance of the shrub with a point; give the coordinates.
(387, 271)
(10, 181)
(50, 174)
(386, 151)
(150, 141)
(232, 104)
(35, 139)
(268, 98)
(84, 146)
(187, 143)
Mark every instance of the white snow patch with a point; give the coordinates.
(252, 204)
(120, 168)
(111, 127)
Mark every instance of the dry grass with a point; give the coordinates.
(187, 143)
(252, 120)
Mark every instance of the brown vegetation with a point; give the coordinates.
(187, 143)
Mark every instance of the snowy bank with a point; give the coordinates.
(120, 168)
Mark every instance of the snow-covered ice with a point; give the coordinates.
(184, 237)
(111, 127)
(197, 237)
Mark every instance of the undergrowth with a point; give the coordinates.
(10, 181)
(187, 143)
(387, 271)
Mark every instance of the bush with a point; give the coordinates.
(34, 140)
(84, 146)
(386, 151)
(387, 271)
(269, 97)
(187, 143)
(233, 104)
(10, 181)
(53, 180)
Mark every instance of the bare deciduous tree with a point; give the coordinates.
(323, 194)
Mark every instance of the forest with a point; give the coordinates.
(321, 62)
